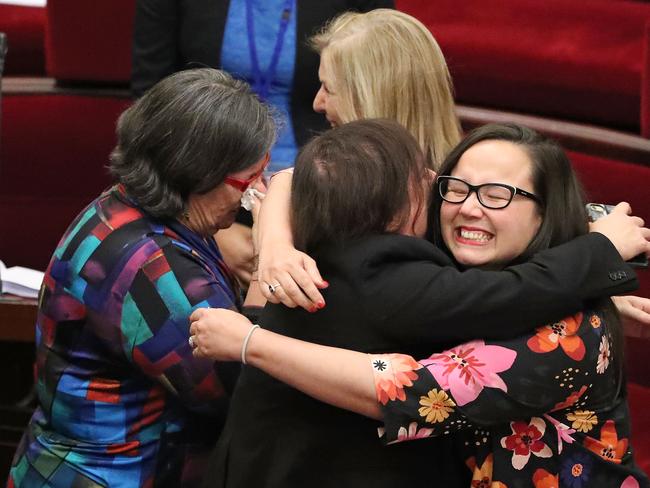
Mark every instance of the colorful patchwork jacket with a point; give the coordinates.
(121, 400)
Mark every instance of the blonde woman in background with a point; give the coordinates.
(379, 64)
(386, 64)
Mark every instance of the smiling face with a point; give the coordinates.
(327, 101)
(218, 208)
(478, 236)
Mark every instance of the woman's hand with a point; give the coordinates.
(635, 315)
(285, 274)
(296, 274)
(218, 334)
(626, 232)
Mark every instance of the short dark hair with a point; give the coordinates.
(353, 181)
(562, 206)
(185, 135)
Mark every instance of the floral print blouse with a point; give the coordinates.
(543, 410)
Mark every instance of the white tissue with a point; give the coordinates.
(249, 196)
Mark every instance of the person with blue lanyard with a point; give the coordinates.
(263, 42)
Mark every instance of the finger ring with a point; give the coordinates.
(191, 342)
(272, 288)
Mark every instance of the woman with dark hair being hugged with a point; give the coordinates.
(542, 407)
(361, 189)
(358, 206)
(121, 400)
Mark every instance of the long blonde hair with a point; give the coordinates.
(386, 64)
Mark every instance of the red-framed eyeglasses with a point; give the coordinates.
(242, 185)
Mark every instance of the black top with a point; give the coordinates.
(392, 293)
(169, 35)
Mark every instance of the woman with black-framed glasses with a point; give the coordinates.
(541, 408)
(490, 195)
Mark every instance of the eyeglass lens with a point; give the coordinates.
(490, 195)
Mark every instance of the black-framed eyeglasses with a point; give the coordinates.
(491, 195)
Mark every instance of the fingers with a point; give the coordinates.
(312, 270)
(624, 208)
(257, 201)
(281, 295)
(200, 352)
(296, 293)
(197, 314)
(270, 297)
(645, 232)
(260, 184)
(309, 280)
(635, 315)
(285, 290)
(298, 277)
(641, 305)
(255, 211)
(298, 289)
(199, 338)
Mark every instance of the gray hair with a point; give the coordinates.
(185, 135)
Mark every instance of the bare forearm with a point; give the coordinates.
(254, 297)
(336, 376)
(274, 223)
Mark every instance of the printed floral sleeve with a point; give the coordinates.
(165, 290)
(486, 384)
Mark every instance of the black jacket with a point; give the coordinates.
(393, 293)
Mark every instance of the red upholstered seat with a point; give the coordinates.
(561, 58)
(639, 399)
(608, 181)
(89, 40)
(54, 151)
(24, 27)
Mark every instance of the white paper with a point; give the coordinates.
(25, 3)
(17, 280)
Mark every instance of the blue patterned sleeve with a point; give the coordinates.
(166, 288)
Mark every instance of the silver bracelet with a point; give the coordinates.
(244, 346)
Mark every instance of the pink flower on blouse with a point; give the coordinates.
(413, 432)
(564, 432)
(466, 369)
(630, 482)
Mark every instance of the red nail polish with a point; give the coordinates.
(320, 305)
(312, 309)
(326, 283)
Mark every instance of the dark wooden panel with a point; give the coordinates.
(17, 318)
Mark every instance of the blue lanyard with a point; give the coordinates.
(262, 81)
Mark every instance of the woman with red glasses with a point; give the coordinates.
(121, 400)
(243, 184)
